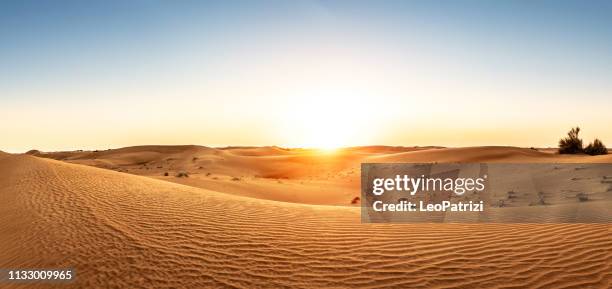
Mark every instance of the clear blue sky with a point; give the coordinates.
(98, 74)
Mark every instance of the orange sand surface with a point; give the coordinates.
(261, 218)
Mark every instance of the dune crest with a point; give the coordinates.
(305, 176)
(120, 230)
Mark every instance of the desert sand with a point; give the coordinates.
(269, 218)
(305, 176)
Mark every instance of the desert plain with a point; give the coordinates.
(270, 217)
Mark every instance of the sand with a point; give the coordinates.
(139, 230)
(291, 175)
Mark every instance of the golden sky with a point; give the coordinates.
(303, 74)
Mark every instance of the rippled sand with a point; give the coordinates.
(125, 231)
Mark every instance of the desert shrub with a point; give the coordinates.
(355, 200)
(512, 195)
(182, 175)
(235, 179)
(583, 197)
(571, 144)
(596, 148)
(166, 174)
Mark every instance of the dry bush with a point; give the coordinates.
(596, 148)
(571, 144)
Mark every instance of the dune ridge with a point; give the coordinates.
(126, 231)
(291, 175)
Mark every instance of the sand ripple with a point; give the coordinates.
(125, 231)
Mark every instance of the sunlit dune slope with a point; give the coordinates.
(262, 162)
(290, 175)
(124, 231)
(491, 154)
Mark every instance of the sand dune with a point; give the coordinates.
(491, 154)
(291, 175)
(125, 231)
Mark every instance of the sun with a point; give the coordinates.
(326, 122)
(324, 131)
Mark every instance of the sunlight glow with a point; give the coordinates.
(327, 121)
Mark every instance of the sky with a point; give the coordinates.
(108, 74)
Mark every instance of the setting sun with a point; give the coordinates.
(328, 121)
